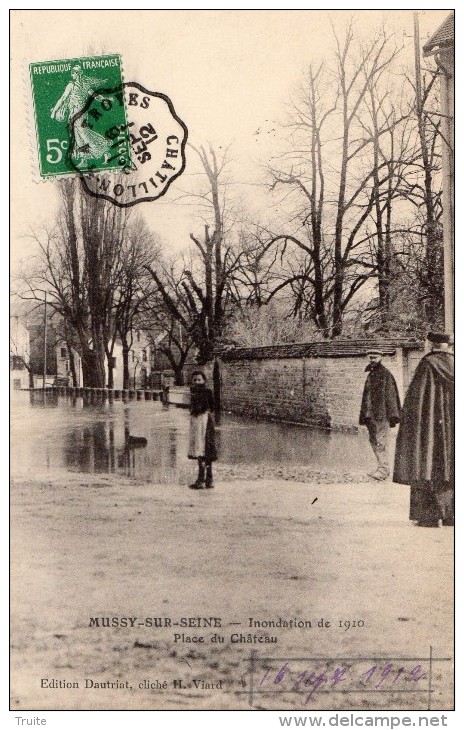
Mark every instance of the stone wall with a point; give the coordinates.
(288, 390)
(323, 390)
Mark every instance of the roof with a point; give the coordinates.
(442, 37)
(325, 348)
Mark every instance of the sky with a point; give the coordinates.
(228, 74)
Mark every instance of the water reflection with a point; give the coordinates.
(43, 399)
(90, 448)
(96, 434)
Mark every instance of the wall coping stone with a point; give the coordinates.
(319, 349)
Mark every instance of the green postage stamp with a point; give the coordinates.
(69, 141)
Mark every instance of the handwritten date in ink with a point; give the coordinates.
(386, 676)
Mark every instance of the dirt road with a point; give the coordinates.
(262, 557)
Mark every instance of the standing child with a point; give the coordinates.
(201, 442)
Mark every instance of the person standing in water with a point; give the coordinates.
(202, 445)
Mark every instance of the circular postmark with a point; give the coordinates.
(144, 153)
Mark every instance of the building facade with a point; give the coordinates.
(20, 353)
(441, 46)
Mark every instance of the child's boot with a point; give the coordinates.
(209, 477)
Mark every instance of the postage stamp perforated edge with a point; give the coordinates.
(30, 114)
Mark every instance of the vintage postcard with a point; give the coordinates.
(231, 360)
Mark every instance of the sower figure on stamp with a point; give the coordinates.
(87, 143)
(202, 442)
(380, 410)
(424, 447)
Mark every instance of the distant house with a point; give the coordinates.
(441, 46)
(140, 362)
(37, 342)
(164, 372)
(63, 364)
(20, 353)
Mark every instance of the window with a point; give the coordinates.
(17, 362)
(133, 356)
(144, 355)
(64, 352)
(138, 336)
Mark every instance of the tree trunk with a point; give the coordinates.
(217, 386)
(72, 365)
(93, 370)
(339, 273)
(109, 361)
(317, 207)
(125, 364)
(100, 364)
(72, 359)
(178, 375)
(433, 263)
(385, 274)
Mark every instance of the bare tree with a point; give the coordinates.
(103, 229)
(77, 264)
(168, 337)
(337, 176)
(173, 313)
(406, 244)
(256, 326)
(199, 296)
(135, 290)
(422, 189)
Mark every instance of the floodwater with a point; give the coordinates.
(50, 432)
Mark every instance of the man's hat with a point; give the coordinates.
(374, 351)
(438, 337)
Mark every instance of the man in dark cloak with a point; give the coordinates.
(424, 455)
(380, 410)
